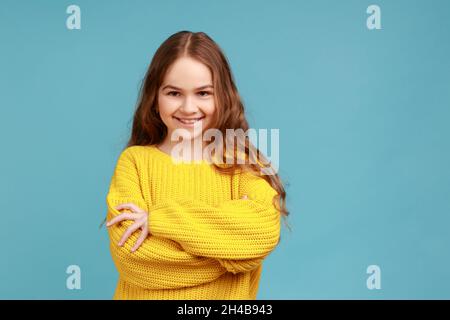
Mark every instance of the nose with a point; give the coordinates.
(189, 105)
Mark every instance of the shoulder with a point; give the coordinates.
(142, 156)
(131, 155)
(251, 177)
(134, 152)
(251, 181)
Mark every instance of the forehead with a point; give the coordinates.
(187, 73)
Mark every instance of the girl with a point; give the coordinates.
(190, 230)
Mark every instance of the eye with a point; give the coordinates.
(172, 93)
(204, 93)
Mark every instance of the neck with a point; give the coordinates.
(194, 147)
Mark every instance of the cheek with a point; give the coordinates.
(210, 108)
(166, 109)
(166, 105)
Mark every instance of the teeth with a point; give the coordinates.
(189, 121)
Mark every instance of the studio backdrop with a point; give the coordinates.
(357, 91)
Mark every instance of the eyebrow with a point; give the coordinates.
(199, 88)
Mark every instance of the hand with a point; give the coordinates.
(141, 222)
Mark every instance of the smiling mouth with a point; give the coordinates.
(188, 121)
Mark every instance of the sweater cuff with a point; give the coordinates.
(157, 215)
(113, 202)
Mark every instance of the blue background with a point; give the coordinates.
(364, 129)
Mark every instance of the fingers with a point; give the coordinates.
(129, 206)
(121, 217)
(139, 240)
(125, 216)
(244, 197)
(128, 233)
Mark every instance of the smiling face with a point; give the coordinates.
(186, 98)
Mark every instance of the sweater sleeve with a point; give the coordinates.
(159, 263)
(238, 233)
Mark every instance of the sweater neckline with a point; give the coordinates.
(168, 158)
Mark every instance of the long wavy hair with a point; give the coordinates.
(149, 129)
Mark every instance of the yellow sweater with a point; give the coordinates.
(205, 241)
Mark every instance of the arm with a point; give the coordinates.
(158, 263)
(238, 233)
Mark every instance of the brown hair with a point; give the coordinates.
(149, 129)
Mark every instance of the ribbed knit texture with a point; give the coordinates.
(205, 241)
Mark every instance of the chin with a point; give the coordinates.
(185, 136)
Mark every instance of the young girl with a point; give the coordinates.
(199, 229)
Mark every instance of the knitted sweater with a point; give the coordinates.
(205, 242)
